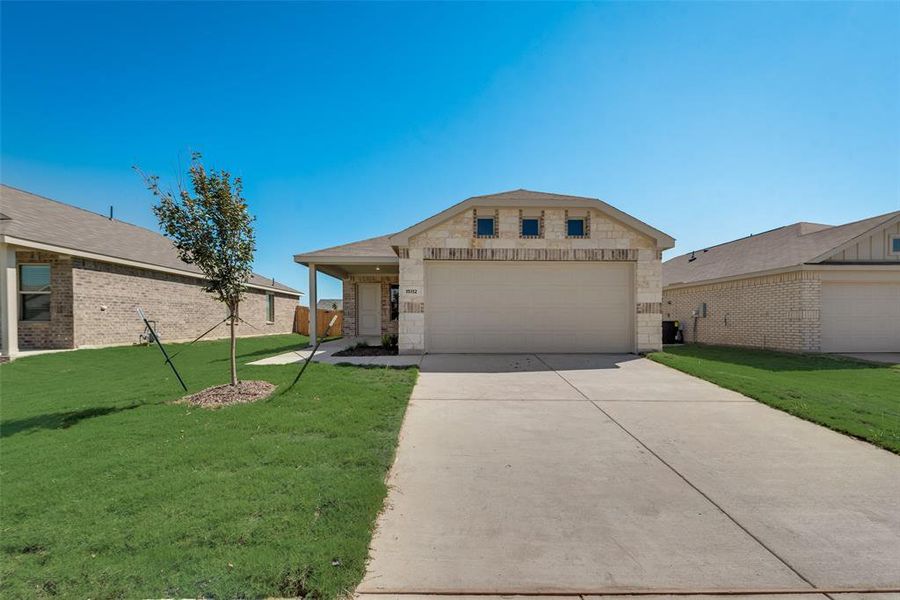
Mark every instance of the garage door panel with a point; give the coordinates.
(860, 317)
(529, 307)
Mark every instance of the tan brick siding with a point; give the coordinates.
(351, 313)
(106, 296)
(58, 332)
(454, 239)
(779, 312)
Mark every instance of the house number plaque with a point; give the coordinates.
(411, 291)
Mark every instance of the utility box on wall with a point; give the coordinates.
(700, 311)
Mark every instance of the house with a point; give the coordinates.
(804, 287)
(330, 304)
(72, 278)
(517, 271)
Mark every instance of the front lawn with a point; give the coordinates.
(850, 396)
(110, 490)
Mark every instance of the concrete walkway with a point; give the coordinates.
(325, 354)
(891, 358)
(591, 475)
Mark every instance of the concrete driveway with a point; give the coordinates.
(588, 474)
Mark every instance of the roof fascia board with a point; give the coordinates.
(306, 259)
(663, 240)
(14, 241)
(857, 239)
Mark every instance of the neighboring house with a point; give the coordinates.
(805, 287)
(518, 271)
(331, 304)
(73, 278)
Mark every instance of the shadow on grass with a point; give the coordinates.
(59, 420)
(771, 360)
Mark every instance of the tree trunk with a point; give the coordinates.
(234, 379)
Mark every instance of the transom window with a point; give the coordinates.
(531, 227)
(575, 227)
(484, 227)
(270, 308)
(34, 292)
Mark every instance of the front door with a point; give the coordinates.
(369, 308)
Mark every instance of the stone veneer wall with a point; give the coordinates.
(106, 296)
(350, 309)
(58, 332)
(779, 312)
(456, 236)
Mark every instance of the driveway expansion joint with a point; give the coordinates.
(708, 499)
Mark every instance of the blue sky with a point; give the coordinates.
(710, 121)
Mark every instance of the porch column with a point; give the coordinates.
(313, 301)
(9, 303)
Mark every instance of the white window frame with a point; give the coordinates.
(23, 293)
(890, 248)
(270, 303)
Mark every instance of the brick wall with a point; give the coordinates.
(779, 312)
(106, 296)
(58, 332)
(607, 239)
(351, 313)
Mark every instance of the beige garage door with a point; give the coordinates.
(528, 307)
(860, 317)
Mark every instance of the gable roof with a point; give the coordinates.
(537, 199)
(788, 246)
(42, 223)
(377, 248)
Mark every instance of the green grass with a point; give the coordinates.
(110, 490)
(850, 396)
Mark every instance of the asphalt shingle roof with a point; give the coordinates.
(788, 246)
(42, 220)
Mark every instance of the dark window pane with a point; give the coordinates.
(575, 227)
(34, 278)
(35, 307)
(895, 245)
(531, 227)
(270, 308)
(486, 227)
(395, 302)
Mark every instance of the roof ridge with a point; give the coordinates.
(740, 239)
(90, 212)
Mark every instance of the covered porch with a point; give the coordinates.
(369, 272)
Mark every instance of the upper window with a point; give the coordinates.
(895, 244)
(484, 227)
(575, 227)
(270, 308)
(34, 292)
(395, 301)
(531, 227)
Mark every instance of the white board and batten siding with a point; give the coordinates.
(875, 247)
(515, 307)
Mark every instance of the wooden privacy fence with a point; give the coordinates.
(323, 317)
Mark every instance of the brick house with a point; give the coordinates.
(72, 278)
(517, 271)
(804, 287)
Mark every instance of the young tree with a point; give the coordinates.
(212, 229)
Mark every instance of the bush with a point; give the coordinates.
(389, 341)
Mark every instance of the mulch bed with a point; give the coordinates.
(366, 351)
(225, 395)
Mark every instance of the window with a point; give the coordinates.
(34, 292)
(531, 227)
(895, 244)
(485, 227)
(575, 227)
(395, 301)
(270, 308)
